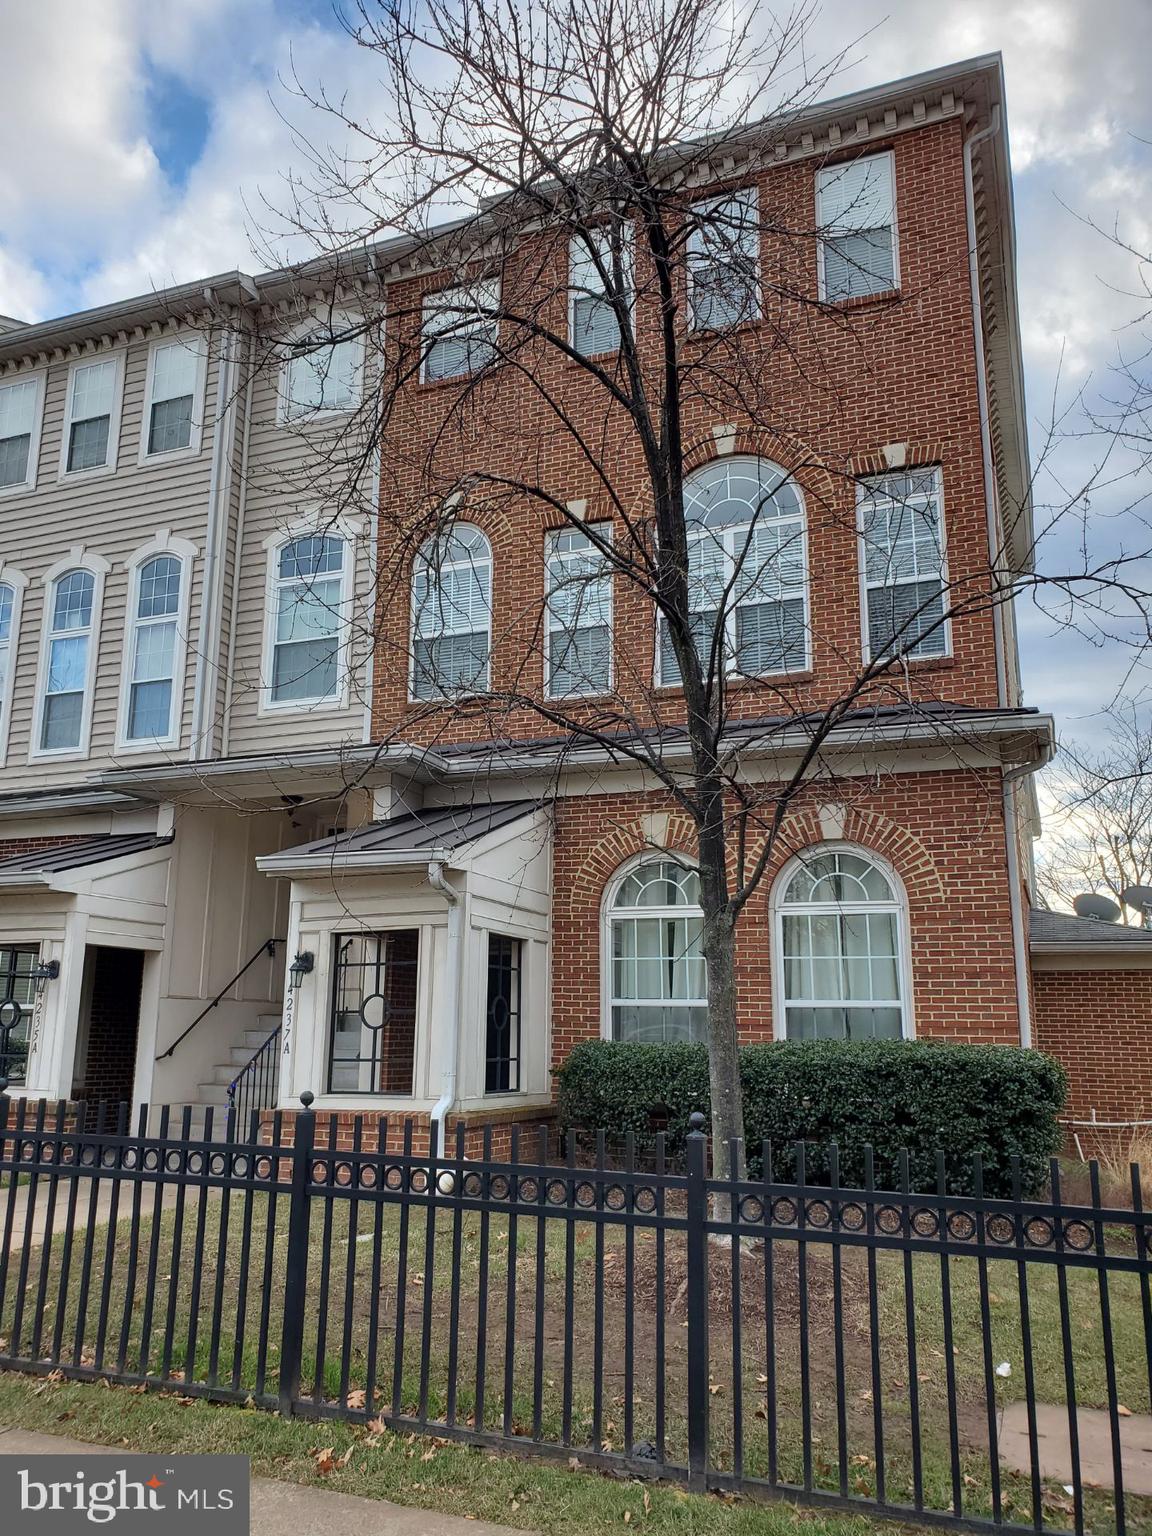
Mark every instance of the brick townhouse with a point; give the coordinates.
(459, 894)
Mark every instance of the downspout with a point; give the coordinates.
(238, 563)
(1015, 889)
(447, 1097)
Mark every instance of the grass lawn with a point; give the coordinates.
(425, 1473)
(387, 1284)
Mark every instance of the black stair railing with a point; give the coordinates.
(255, 1085)
(267, 948)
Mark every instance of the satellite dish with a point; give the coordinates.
(1139, 898)
(1099, 908)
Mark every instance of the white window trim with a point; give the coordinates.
(551, 628)
(490, 290)
(77, 559)
(109, 468)
(693, 261)
(822, 287)
(461, 694)
(39, 376)
(607, 903)
(730, 668)
(865, 643)
(350, 531)
(10, 577)
(185, 552)
(777, 909)
(199, 345)
(628, 261)
(334, 321)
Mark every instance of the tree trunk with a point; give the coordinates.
(720, 956)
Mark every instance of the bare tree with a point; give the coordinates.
(1100, 837)
(555, 197)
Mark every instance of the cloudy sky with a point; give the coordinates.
(140, 139)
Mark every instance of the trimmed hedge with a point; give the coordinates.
(918, 1095)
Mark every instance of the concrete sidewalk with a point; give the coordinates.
(98, 1211)
(278, 1507)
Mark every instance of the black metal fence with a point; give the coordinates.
(949, 1359)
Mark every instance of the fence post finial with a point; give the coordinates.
(307, 1098)
(696, 1123)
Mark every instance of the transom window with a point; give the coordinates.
(320, 375)
(19, 407)
(578, 618)
(658, 980)
(747, 570)
(153, 649)
(902, 532)
(460, 330)
(856, 216)
(69, 645)
(91, 405)
(593, 325)
(452, 614)
(308, 594)
(175, 372)
(840, 950)
(724, 261)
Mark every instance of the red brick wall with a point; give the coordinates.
(943, 833)
(1099, 1024)
(11, 846)
(836, 389)
(113, 1022)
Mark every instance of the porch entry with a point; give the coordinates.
(105, 1067)
(17, 990)
(374, 1012)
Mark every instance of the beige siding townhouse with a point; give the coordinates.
(185, 626)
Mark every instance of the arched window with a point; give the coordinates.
(657, 980)
(153, 646)
(69, 643)
(452, 614)
(308, 579)
(747, 566)
(840, 938)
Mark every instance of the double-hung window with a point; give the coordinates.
(320, 376)
(92, 415)
(174, 383)
(152, 651)
(657, 985)
(69, 643)
(747, 571)
(19, 432)
(724, 261)
(460, 330)
(578, 614)
(452, 614)
(599, 267)
(856, 218)
(307, 607)
(902, 538)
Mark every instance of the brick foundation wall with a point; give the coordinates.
(1099, 1025)
(337, 1128)
(943, 833)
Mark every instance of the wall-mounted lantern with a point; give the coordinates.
(46, 971)
(300, 967)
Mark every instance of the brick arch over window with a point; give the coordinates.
(624, 842)
(869, 830)
(820, 484)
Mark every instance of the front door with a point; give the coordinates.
(105, 1068)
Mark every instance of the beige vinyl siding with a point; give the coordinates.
(291, 478)
(110, 515)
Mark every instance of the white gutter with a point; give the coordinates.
(455, 922)
(1021, 966)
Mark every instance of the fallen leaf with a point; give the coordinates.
(324, 1461)
(356, 1400)
(627, 1517)
(1125, 1413)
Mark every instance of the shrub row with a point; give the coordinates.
(916, 1096)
